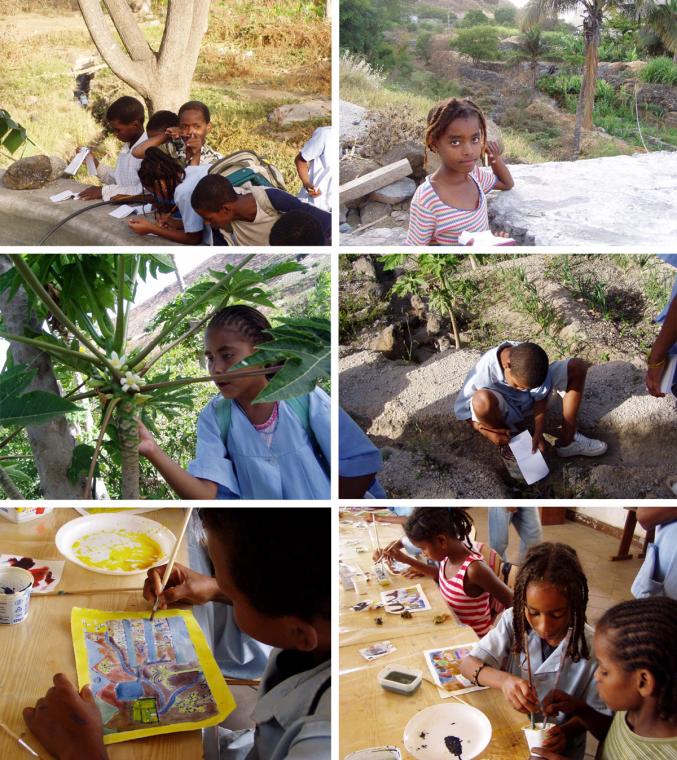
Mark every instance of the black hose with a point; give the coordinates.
(71, 216)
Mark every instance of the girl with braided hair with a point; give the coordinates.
(466, 582)
(637, 678)
(453, 199)
(550, 600)
(171, 186)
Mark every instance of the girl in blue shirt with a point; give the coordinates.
(271, 450)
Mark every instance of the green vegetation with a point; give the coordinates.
(479, 43)
(660, 70)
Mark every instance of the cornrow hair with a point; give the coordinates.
(645, 632)
(247, 321)
(441, 116)
(158, 167)
(559, 565)
(425, 522)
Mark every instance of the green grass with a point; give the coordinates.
(662, 70)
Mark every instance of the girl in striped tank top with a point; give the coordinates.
(466, 581)
(452, 199)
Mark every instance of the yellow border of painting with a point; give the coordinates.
(225, 702)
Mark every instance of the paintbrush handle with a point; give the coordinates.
(11, 733)
(172, 559)
(90, 592)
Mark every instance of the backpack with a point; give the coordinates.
(301, 408)
(244, 168)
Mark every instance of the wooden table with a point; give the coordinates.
(32, 651)
(371, 716)
(629, 534)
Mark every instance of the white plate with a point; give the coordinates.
(105, 532)
(105, 510)
(376, 753)
(467, 723)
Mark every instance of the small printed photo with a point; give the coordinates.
(512, 375)
(154, 123)
(490, 124)
(376, 650)
(154, 376)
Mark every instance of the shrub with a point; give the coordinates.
(505, 16)
(661, 70)
(479, 43)
(475, 18)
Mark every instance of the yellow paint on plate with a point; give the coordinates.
(118, 550)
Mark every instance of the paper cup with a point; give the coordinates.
(14, 605)
(535, 736)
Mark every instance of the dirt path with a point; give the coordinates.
(23, 26)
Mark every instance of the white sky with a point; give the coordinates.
(185, 262)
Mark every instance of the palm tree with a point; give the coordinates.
(533, 48)
(662, 20)
(594, 13)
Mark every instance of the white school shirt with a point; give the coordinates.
(292, 716)
(318, 152)
(577, 678)
(124, 179)
(192, 221)
(245, 467)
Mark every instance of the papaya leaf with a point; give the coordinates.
(81, 462)
(13, 381)
(34, 408)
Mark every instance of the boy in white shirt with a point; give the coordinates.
(125, 118)
(313, 165)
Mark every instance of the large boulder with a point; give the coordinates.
(663, 95)
(33, 172)
(353, 123)
(412, 150)
(395, 192)
(352, 167)
(373, 211)
(311, 109)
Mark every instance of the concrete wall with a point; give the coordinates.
(614, 516)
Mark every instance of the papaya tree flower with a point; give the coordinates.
(117, 362)
(131, 382)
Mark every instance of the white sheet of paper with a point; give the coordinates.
(89, 163)
(77, 161)
(122, 211)
(532, 466)
(65, 196)
(484, 238)
(145, 209)
(668, 374)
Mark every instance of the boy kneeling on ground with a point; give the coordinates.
(513, 381)
(293, 614)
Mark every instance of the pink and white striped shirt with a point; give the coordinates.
(433, 221)
(472, 611)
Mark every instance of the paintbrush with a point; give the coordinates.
(11, 733)
(91, 592)
(526, 651)
(563, 657)
(172, 560)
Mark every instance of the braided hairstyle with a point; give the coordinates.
(247, 321)
(441, 116)
(645, 632)
(426, 522)
(157, 167)
(559, 565)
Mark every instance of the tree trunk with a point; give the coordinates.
(52, 444)
(592, 25)
(454, 329)
(8, 486)
(128, 435)
(162, 79)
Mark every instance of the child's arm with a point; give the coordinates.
(187, 486)
(505, 180)
(480, 577)
(67, 723)
(172, 133)
(396, 553)
(146, 227)
(302, 171)
(537, 440)
(584, 716)
(355, 487)
(516, 690)
(184, 585)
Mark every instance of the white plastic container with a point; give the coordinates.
(14, 606)
(23, 514)
(535, 736)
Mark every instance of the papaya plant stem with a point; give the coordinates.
(9, 486)
(173, 344)
(110, 406)
(119, 339)
(47, 347)
(137, 358)
(128, 436)
(128, 306)
(234, 375)
(35, 285)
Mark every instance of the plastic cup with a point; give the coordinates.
(14, 605)
(535, 736)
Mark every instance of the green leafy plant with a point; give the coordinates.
(479, 43)
(12, 134)
(660, 70)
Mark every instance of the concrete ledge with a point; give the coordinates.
(27, 215)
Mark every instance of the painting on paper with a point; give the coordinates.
(46, 572)
(445, 668)
(148, 677)
(410, 599)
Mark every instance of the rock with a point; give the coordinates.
(384, 341)
(433, 324)
(663, 95)
(396, 192)
(373, 211)
(353, 217)
(401, 216)
(375, 236)
(409, 149)
(343, 214)
(418, 306)
(353, 123)
(365, 266)
(352, 167)
(311, 109)
(671, 119)
(33, 172)
(558, 203)
(423, 353)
